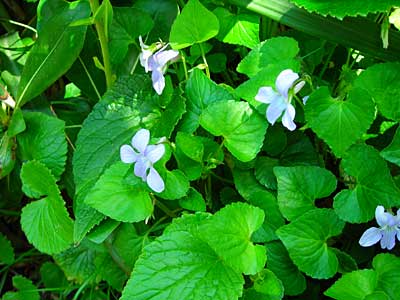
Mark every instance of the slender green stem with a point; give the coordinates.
(116, 258)
(184, 64)
(205, 60)
(327, 61)
(100, 28)
(90, 77)
(222, 178)
(163, 207)
(19, 24)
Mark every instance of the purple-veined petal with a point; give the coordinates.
(154, 181)
(266, 94)
(380, 216)
(298, 86)
(141, 139)
(275, 109)
(127, 154)
(141, 167)
(155, 152)
(284, 81)
(163, 56)
(370, 237)
(288, 117)
(388, 239)
(158, 81)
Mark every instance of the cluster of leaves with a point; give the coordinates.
(249, 210)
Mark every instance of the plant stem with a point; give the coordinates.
(205, 60)
(94, 4)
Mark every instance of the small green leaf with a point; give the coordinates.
(6, 251)
(176, 185)
(195, 24)
(45, 222)
(238, 29)
(193, 201)
(201, 91)
(353, 286)
(279, 262)
(101, 232)
(17, 123)
(242, 128)
(306, 237)
(53, 276)
(55, 50)
(373, 185)
(267, 283)
(392, 152)
(346, 262)
(190, 145)
(300, 186)
(274, 51)
(43, 141)
(339, 123)
(382, 82)
(177, 257)
(27, 290)
(121, 195)
(229, 232)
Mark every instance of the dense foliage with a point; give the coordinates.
(199, 149)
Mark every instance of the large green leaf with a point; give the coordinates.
(127, 25)
(180, 257)
(195, 24)
(45, 222)
(55, 50)
(373, 185)
(280, 263)
(121, 195)
(238, 29)
(201, 91)
(123, 110)
(300, 186)
(382, 283)
(274, 51)
(339, 123)
(26, 290)
(306, 238)
(43, 141)
(344, 8)
(228, 233)
(382, 81)
(242, 128)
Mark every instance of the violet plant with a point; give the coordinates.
(206, 166)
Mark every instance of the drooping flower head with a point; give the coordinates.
(156, 63)
(144, 156)
(386, 233)
(279, 100)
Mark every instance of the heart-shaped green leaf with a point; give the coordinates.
(339, 123)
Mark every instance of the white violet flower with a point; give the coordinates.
(279, 101)
(144, 156)
(386, 233)
(156, 63)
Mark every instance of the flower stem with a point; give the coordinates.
(100, 28)
(204, 60)
(184, 64)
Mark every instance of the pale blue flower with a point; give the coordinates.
(144, 156)
(279, 100)
(156, 63)
(386, 233)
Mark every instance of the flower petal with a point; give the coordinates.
(141, 139)
(127, 154)
(298, 86)
(266, 94)
(275, 109)
(154, 181)
(288, 117)
(155, 152)
(388, 239)
(305, 98)
(381, 216)
(141, 168)
(284, 81)
(158, 81)
(163, 56)
(370, 237)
